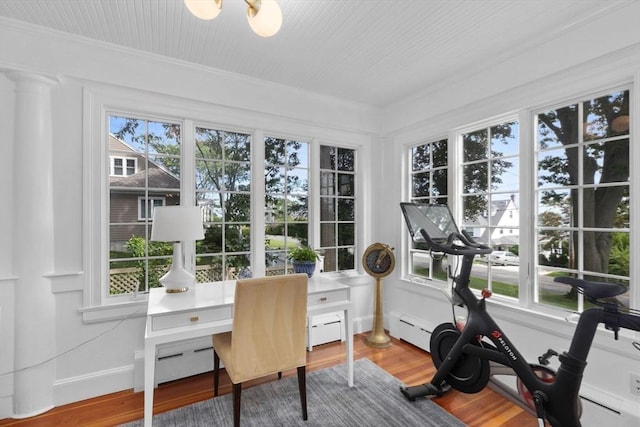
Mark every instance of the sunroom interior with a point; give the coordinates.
(522, 117)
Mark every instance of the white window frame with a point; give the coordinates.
(456, 200)
(528, 253)
(317, 171)
(150, 206)
(99, 102)
(427, 199)
(224, 254)
(309, 194)
(579, 100)
(124, 165)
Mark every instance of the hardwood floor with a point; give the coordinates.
(404, 361)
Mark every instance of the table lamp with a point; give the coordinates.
(177, 224)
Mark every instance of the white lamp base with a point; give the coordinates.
(177, 278)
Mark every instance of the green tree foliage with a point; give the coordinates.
(151, 269)
(223, 177)
(223, 168)
(477, 181)
(602, 162)
(619, 263)
(160, 142)
(282, 159)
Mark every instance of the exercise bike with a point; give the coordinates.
(467, 355)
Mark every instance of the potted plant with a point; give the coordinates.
(304, 259)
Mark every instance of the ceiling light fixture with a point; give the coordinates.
(264, 16)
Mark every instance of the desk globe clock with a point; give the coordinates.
(378, 261)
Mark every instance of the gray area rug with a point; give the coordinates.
(375, 400)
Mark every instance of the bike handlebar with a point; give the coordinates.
(452, 246)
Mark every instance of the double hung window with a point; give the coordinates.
(583, 195)
(490, 202)
(176, 162)
(428, 184)
(576, 202)
(153, 150)
(338, 207)
(123, 166)
(286, 181)
(223, 192)
(147, 205)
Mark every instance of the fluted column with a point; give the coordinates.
(33, 245)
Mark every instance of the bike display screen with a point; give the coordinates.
(435, 220)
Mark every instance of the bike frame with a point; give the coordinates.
(558, 401)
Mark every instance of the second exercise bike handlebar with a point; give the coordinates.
(457, 244)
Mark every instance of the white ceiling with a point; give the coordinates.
(375, 52)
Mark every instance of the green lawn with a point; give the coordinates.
(510, 290)
(277, 242)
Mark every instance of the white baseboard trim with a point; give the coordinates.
(6, 407)
(95, 384)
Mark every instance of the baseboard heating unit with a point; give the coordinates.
(410, 329)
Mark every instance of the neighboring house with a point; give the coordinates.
(130, 172)
(505, 228)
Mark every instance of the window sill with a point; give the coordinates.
(351, 278)
(425, 286)
(118, 311)
(554, 322)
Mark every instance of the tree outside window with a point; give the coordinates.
(428, 181)
(582, 194)
(152, 152)
(286, 201)
(490, 205)
(223, 192)
(337, 207)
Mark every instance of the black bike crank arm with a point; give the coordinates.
(540, 399)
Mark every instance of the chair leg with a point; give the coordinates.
(280, 375)
(216, 372)
(302, 386)
(237, 391)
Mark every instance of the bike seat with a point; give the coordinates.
(595, 290)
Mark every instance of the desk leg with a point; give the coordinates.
(309, 332)
(149, 377)
(349, 332)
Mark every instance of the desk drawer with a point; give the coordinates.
(187, 318)
(328, 297)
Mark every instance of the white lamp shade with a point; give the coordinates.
(177, 223)
(268, 20)
(204, 9)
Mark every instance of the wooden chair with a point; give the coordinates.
(268, 334)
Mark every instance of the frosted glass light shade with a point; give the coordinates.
(204, 9)
(177, 223)
(267, 21)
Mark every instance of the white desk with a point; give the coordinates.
(207, 309)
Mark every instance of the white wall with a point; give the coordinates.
(105, 363)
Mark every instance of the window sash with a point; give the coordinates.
(146, 205)
(123, 166)
(529, 286)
